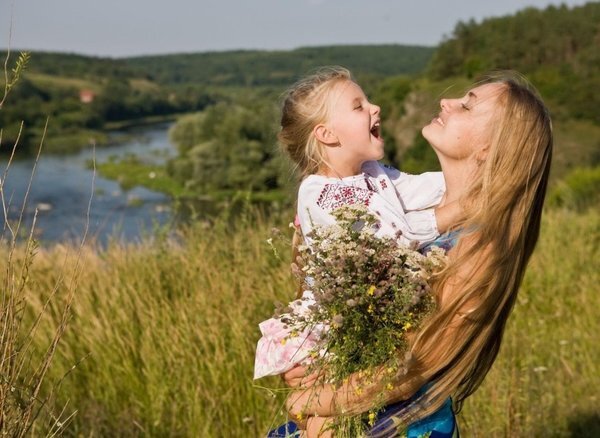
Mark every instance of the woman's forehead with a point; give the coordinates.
(486, 91)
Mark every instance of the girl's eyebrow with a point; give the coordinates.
(472, 95)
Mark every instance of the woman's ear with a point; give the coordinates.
(325, 136)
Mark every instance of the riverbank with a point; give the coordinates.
(69, 141)
(132, 171)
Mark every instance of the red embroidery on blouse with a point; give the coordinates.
(334, 196)
(383, 183)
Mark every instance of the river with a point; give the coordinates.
(63, 185)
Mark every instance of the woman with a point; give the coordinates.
(494, 145)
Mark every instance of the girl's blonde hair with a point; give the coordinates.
(502, 208)
(305, 106)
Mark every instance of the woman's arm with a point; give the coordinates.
(351, 397)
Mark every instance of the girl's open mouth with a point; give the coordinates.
(375, 130)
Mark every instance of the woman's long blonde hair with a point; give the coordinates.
(500, 228)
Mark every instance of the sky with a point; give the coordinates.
(118, 28)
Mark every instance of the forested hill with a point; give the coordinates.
(71, 65)
(237, 68)
(250, 68)
(555, 47)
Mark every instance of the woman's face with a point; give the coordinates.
(463, 126)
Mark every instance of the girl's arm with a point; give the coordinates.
(422, 192)
(417, 192)
(447, 216)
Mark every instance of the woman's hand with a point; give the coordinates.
(296, 377)
(316, 400)
(318, 427)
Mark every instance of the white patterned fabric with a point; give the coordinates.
(403, 203)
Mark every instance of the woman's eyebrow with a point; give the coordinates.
(472, 95)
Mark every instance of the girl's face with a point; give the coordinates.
(354, 123)
(463, 126)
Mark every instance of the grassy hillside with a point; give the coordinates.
(163, 334)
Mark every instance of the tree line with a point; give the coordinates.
(558, 48)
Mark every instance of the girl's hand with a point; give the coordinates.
(296, 377)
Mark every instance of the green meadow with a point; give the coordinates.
(161, 337)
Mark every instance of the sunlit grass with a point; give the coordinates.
(543, 381)
(163, 336)
(53, 81)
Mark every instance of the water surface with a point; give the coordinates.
(63, 185)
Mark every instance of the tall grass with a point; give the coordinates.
(163, 336)
(164, 332)
(546, 379)
(27, 403)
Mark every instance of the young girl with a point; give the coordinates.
(332, 132)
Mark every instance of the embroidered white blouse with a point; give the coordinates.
(401, 201)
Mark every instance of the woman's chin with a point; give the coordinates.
(426, 130)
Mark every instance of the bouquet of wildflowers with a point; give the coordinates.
(369, 292)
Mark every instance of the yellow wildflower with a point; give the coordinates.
(407, 325)
(371, 291)
(371, 308)
(389, 386)
(371, 418)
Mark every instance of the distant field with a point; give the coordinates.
(52, 81)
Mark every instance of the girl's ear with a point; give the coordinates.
(325, 136)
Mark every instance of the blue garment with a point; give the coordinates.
(445, 241)
(287, 430)
(440, 424)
